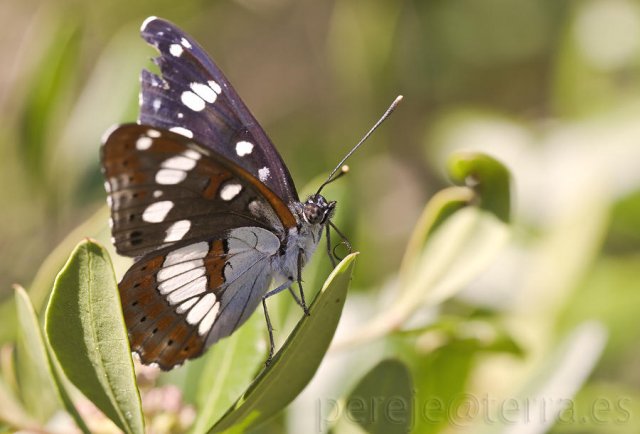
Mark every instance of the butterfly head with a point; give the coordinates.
(317, 210)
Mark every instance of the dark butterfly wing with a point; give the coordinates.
(179, 300)
(194, 98)
(163, 188)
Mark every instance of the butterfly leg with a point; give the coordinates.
(285, 285)
(272, 344)
(302, 303)
(329, 252)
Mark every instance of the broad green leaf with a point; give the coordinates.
(86, 332)
(230, 366)
(382, 402)
(296, 363)
(489, 178)
(37, 388)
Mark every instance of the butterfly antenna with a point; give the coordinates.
(343, 168)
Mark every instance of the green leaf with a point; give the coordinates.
(459, 249)
(382, 402)
(489, 178)
(40, 382)
(36, 384)
(86, 332)
(230, 366)
(440, 207)
(296, 363)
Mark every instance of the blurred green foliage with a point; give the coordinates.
(550, 89)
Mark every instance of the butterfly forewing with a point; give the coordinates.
(193, 98)
(163, 188)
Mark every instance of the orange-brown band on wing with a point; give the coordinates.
(156, 332)
(214, 264)
(281, 209)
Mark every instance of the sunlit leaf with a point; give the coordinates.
(86, 331)
(489, 178)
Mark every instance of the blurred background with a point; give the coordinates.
(550, 88)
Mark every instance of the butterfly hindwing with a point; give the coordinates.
(194, 98)
(179, 300)
(163, 189)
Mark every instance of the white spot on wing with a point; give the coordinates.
(193, 101)
(204, 92)
(229, 191)
(185, 43)
(157, 193)
(201, 308)
(177, 231)
(208, 320)
(182, 131)
(170, 176)
(180, 115)
(172, 271)
(187, 253)
(180, 280)
(107, 187)
(153, 133)
(186, 305)
(157, 103)
(109, 201)
(143, 143)
(264, 173)
(215, 86)
(179, 162)
(243, 148)
(189, 290)
(192, 154)
(156, 212)
(176, 50)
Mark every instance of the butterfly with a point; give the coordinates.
(202, 200)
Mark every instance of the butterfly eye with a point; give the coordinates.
(318, 210)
